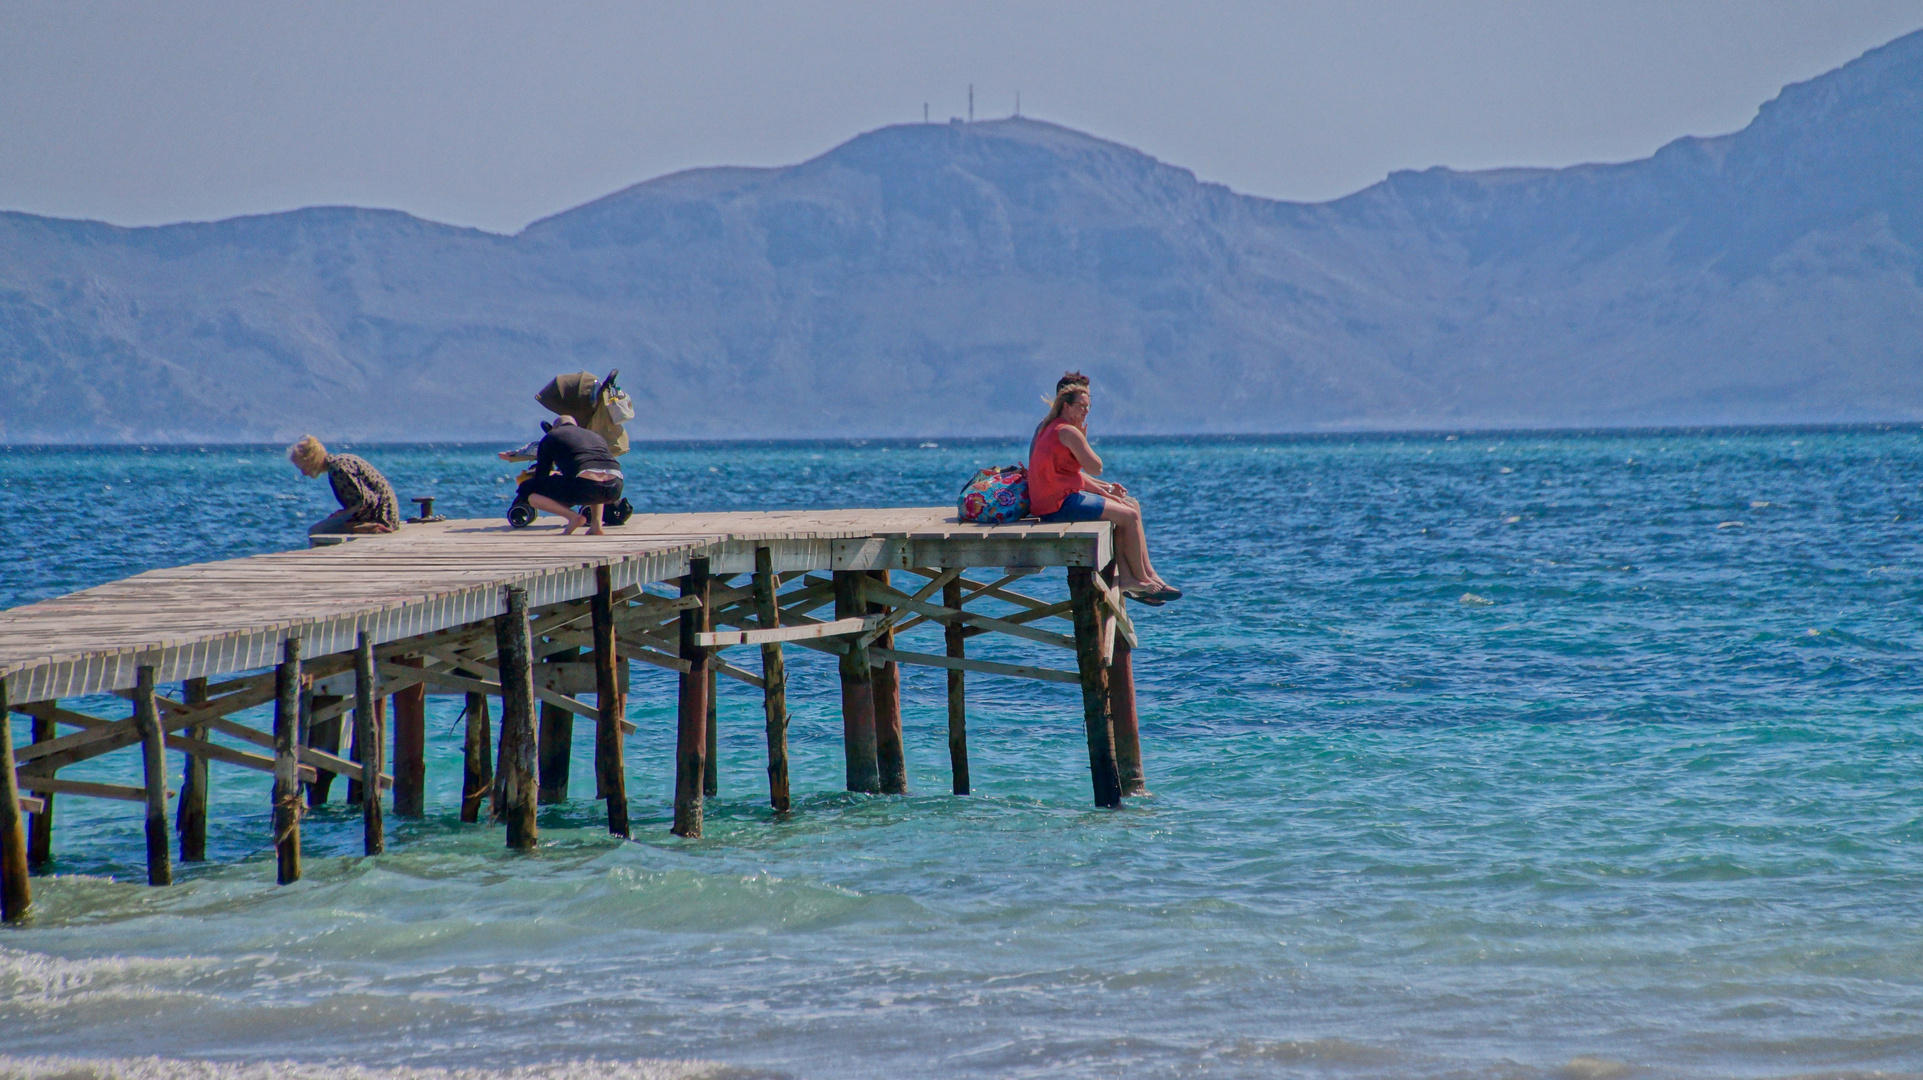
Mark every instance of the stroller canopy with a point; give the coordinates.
(580, 396)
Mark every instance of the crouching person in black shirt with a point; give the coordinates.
(573, 467)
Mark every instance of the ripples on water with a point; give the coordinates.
(1507, 756)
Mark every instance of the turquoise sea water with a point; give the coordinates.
(1493, 756)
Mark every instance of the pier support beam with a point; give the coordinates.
(16, 893)
(711, 757)
(370, 735)
(153, 758)
(40, 824)
(1085, 602)
(1121, 708)
(857, 690)
(610, 755)
(287, 695)
(557, 743)
(774, 677)
(477, 763)
(691, 735)
(517, 768)
(190, 817)
(954, 637)
(410, 746)
(891, 764)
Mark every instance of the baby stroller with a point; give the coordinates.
(601, 407)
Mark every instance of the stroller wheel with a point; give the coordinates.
(617, 513)
(520, 515)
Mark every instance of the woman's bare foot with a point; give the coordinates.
(575, 521)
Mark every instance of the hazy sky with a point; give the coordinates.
(493, 114)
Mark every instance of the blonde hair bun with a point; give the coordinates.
(308, 454)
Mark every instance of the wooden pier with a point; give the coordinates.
(524, 624)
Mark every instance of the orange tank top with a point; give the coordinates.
(1054, 472)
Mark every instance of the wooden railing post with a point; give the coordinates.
(410, 746)
(556, 747)
(955, 638)
(857, 690)
(190, 817)
(610, 756)
(891, 763)
(370, 735)
(691, 735)
(1084, 600)
(153, 759)
(16, 893)
(287, 808)
(774, 677)
(515, 656)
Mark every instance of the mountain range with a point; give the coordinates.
(933, 279)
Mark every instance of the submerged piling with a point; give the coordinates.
(517, 767)
(16, 893)
(153, 759)
(1084, 600)
(691, 719)
(287, 693)
(610, 762)
(774, 678)
(891, 763)
(857, 691)
(190, 816)
(369, 734)
(410, 746)
(954, 638)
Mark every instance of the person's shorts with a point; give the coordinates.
(1079, 506)
(573, 490)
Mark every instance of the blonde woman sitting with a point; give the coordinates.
(367, 502)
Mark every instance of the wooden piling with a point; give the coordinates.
(891, 763)
(857, 691)
(190, 817)
(774, 678)
(691, 735)
(516, 660)
(323, 735)
(370, 736)
(153, 758)
(1085, 600)
(477, 763)
(16, 893)
(953, 635)
(40, 824)
(287, 692)
(556, 745)
(610, 755)
(711, 757)
(1121, 707)
(410, 746)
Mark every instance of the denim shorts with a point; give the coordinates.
(1079, 506)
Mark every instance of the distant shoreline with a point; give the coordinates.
(913, 442)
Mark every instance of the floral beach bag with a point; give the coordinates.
(995, 496)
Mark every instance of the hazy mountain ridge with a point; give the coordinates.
(934, 278)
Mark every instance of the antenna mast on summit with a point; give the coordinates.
(971, 103)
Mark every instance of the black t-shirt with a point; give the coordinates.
(570, 449)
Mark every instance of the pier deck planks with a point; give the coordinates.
(220, 617)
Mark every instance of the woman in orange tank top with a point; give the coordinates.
(1063, 486)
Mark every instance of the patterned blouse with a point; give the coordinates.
(362, 489)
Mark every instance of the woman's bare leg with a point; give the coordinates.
(595, 512)
(1131, 544)
(542, 502)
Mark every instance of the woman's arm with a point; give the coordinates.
(1077, 444)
